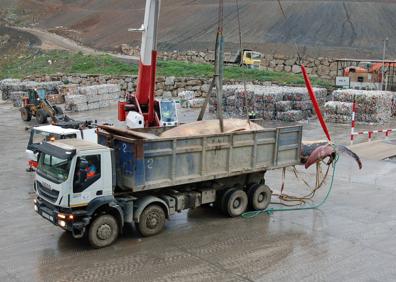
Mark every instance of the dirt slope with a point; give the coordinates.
(332, 27)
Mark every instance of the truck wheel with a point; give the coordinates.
(103, 231)
(236, 203)
(224, 199)
(259, 197)
(26, 114)
(152, 221)
(41, 116)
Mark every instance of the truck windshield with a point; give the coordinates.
(53, 168)
(256, 55)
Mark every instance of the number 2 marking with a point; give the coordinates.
(150, 163)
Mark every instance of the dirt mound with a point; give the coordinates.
(324, 27)
(12, 40)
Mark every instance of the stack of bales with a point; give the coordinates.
(371, 106)
(15, 89)
(92, 97)
(269, 102)
(188, 100)
(16, 97)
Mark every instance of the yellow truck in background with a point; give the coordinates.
(251, 59)
(248, 58)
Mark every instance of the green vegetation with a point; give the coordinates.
(64, 62)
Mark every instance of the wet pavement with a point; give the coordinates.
(350, 238)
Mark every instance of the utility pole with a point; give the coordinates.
(219, 64)
(383, 63)
(218, 69)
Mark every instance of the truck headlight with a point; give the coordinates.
(62, 223)
(65, 216)
(35, 208)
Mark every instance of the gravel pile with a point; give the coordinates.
(371, 106)
(92, 97)
(269, 102)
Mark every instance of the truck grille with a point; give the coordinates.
(48, 194)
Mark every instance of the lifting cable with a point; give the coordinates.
(271, 210)
(287, 198)
(299, 57)
(241, 61)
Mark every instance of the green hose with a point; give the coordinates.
(270, 211)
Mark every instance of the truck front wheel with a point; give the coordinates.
(103, 231)
(152, 221)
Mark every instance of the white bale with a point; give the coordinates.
(196, 102)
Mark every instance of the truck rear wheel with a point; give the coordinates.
(103, 231)
(236, 203)
(26, 115)
(259, 197)
(152, 221)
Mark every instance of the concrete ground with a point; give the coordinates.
(350, 238)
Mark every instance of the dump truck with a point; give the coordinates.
(248, 58)
(146, 181)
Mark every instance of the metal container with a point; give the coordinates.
(145, 164)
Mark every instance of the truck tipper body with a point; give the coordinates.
(95, 189)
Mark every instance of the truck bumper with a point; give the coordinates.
(67, 219)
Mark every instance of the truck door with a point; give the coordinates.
(87, 180)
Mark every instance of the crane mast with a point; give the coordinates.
(141, 109)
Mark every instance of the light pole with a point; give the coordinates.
(383, 63)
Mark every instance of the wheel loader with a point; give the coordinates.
(36, 105)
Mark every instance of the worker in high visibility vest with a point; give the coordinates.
(89, 168)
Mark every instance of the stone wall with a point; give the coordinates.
(166, 87)
(7, 86)
(324, 68)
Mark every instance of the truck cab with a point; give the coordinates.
(252, 59)
(75, 190)
(73, 178)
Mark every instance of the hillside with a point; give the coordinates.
(333, 28)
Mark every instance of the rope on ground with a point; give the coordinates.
(270, 211)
